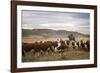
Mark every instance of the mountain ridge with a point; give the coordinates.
(50, 33)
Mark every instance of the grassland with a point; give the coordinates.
(72, 54)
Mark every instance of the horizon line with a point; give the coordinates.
(56, 30)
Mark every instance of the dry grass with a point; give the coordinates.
(74, 54)
(67, 55)
(31, 39)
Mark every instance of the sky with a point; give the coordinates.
(69, 21)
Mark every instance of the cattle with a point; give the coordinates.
(57, 46)
(62, 46)
(67, 42)
(88, 45)
(83, 45)
(78, 44)
(37, 47)
(26, 47)
(73, 45)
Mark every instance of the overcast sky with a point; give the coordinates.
(69, 21)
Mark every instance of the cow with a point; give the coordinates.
(83, 45)
(26, 47)
(74, 46)
(88, 45)
(62, 46)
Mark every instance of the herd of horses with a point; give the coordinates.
(58, 46)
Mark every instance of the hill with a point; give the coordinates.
(49, 33)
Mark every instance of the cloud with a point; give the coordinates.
(56, 20)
